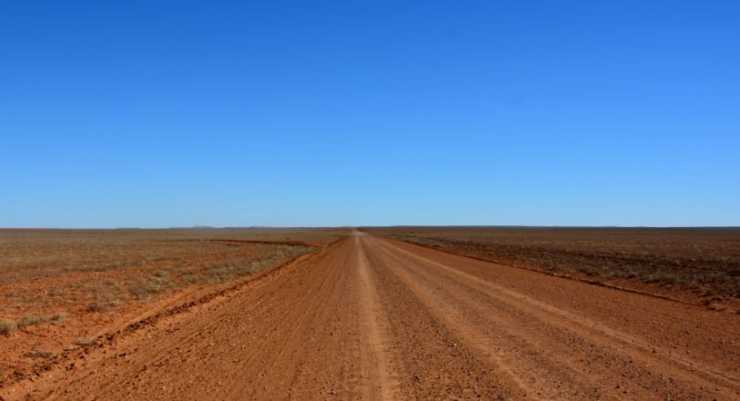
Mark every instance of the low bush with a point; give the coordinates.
(7, 326)
(30, 320)
(84, 341)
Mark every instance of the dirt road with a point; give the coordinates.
(371, 319)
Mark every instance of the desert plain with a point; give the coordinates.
(374, 313)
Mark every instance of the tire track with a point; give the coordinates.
(532, 376)
(381, 383)
(603, 352)
(435, 365)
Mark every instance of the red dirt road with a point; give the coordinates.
(372, 319)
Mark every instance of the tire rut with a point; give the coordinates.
(381, 383)
(614, 361)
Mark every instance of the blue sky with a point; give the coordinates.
(177, 113)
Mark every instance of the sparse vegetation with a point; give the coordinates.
(129, 265)
(31, 320)
(99, 277)
(58, 317)
(7, 326)
(39, 354)
(100, 306)
(85, 341)
(703, 261)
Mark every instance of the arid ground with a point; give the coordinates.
(698, 265)
(64, 288)
(367, 315)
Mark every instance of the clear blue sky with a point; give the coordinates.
(176, 113)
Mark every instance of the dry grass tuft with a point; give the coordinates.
(39, 354)
(58, 317)
(85, 341)
(7, 326)
(31, 320)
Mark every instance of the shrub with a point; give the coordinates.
(7, 326)
(84, 341)
(30, 321)
(58, 318)
(39, 354)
